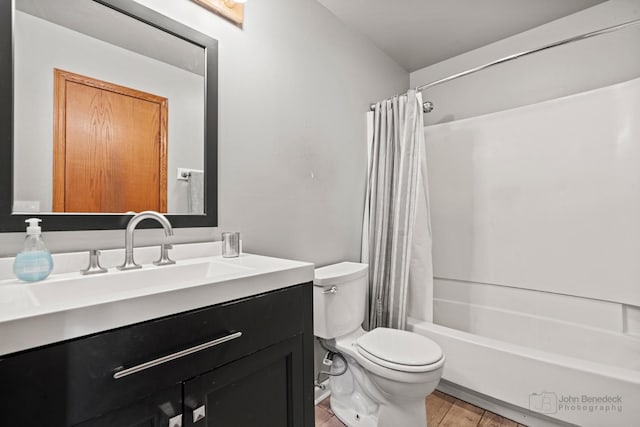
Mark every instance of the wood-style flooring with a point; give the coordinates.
(442, 411)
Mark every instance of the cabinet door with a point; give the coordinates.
(263, 389)
(162, 409)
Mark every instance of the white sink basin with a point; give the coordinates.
(149, 277)
(114, 284)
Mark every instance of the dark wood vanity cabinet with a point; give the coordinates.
(244, 363)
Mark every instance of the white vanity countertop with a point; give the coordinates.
(68, 305)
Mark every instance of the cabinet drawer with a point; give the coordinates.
(74, 380)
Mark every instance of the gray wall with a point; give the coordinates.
(294, 88)
(581, 66)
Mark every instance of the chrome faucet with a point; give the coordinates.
(129, 263)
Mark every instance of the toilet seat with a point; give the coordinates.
(400, 350)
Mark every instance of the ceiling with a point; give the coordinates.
(418, 33)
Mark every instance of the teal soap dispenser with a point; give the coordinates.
(34, 262)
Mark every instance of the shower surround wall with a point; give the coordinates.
(544, 197)
(536, 219)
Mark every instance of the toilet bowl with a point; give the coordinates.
(388, 372)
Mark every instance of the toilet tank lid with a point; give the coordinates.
(339, 273)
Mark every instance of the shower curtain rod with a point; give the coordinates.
(427, 106)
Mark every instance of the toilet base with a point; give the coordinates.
(351, 398)
(350, 417)
(358, 402)
(388, 416)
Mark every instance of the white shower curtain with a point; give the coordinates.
(397, 230)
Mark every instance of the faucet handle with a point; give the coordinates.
(164, 255)
(94, 264)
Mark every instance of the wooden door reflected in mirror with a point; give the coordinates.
(110, 147)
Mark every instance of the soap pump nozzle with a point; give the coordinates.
(33, 229)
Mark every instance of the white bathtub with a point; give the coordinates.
(538, 351)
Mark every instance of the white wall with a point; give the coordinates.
(294, 88)
(580, 66)
(42, 46)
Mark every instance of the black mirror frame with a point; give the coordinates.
(62, 222)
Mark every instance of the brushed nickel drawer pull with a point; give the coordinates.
(174, 356)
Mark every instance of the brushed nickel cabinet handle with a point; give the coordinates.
(173, 356)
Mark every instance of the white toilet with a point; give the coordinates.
(389, 372)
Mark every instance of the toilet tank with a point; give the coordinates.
(339, 293)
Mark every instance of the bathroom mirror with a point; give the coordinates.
(112, 110)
